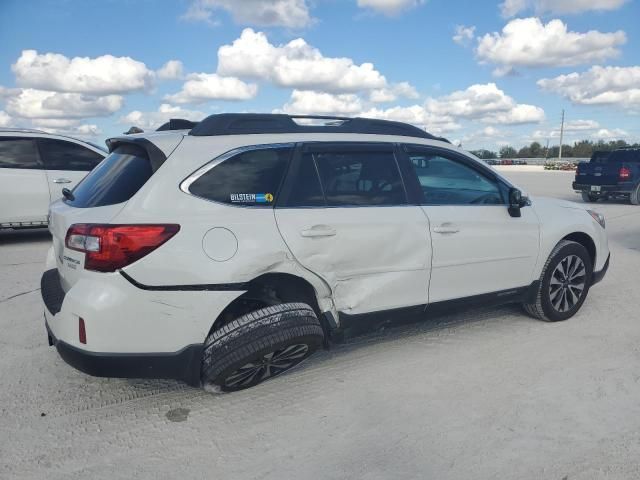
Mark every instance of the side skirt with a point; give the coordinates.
(353, 325)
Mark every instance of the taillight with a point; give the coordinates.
(624, 173)
(110, 247)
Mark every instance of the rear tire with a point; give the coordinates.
(587, 197)
(564, 283)
(260, 345)
(634, 198)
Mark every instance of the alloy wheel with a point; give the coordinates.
(270, 365)
(567, 283)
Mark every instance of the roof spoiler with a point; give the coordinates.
(177, 124)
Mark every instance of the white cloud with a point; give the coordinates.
(416, 115)
(295, 65)
(152, 120)
(310, 102)
(402, 89)
(172, 70)
(390, 7)
(101, 75)
(527, 42)
(511, 8)
(5, 119)
(203, 87)
(484, 102)
(571, 128)
(463, 35)
(32, 103)
(262, 13)
(619, 86)
(614, 134)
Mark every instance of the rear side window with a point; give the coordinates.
(251, 178)
(63, 155)
(359, 178)
(115, 180)
(18, 153)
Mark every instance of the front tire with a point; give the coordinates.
(260, 345)
(564, 283)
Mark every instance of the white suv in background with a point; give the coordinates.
(34, 168)
(227, 254)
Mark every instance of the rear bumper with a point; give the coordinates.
(183, 365)
(583, 187)
(598, 276)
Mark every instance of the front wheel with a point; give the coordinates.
(564, 283)
(587, 197)
(260, 345)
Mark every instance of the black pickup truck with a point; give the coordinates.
(613, 174)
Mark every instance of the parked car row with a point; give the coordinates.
(564, 165)
(505, 161)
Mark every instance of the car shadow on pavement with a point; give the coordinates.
(30, 235)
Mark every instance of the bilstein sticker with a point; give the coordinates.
(251, 197)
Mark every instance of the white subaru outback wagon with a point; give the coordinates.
(226, 254)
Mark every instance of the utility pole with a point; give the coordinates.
(561, 136)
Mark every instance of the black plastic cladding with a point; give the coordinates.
(256, 123)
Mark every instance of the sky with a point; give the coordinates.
(482, 73)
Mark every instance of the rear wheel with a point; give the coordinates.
(260, 345)
(634, 198)
(564, 283)
(587, 197)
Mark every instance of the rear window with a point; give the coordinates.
(625, 156)
(115, 180)
(250, 178)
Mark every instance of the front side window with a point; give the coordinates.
(16, 152)
(359, 178)
(63, 155)
(445, 180)
(250, 178)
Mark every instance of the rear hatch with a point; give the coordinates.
(97, 199)
(598, 171)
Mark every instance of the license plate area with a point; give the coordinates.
(595, 188)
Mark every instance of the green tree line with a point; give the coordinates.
(581, 149)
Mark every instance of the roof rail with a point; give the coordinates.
(177, 124)
(21, 130)
(251, 123)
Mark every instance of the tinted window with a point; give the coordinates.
(446, 181)
(251, 178)
(305, 190)
(18, 153)
(626, 156)
(115, 180)
(359, 178)
(62, 155)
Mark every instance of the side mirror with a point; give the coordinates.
(516, 202)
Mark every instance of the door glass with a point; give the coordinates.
(18, 153)
(352, 178)
(446, 181)
(62, 155)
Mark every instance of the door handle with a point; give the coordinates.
(446, 228)
(318, 231)
(62, 180)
